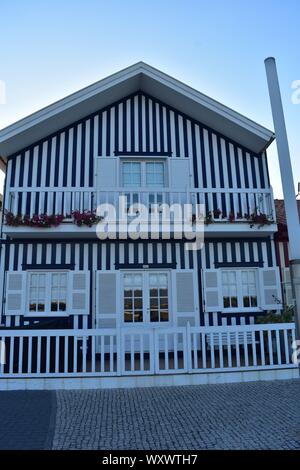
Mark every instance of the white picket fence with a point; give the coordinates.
(142, 351)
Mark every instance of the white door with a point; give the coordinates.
(145, 298)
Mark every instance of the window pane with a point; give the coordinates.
(138, 316)
(63, 280)
(163, 303)
(153, 280)
(164, 315)
(54, 295)
(154, 316)
(33, 293)
(33, 280)
(138, 304)
(155, 174)
(58, 292)
(127, 304)
(224, 278)
(128, 317)
(42, 280)
(131, 174)
(54, 306)
(62, 306)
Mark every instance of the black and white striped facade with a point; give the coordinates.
(136, 125)
(92, 256)
(139, 125)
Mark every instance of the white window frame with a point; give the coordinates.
(48, 287)
(146, 298)
(143, 162)
(240, 307)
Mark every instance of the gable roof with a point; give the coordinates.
(138, 77)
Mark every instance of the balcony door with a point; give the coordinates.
(145, 297)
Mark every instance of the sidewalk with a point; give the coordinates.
(257, 415)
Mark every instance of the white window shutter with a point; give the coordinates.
(212, 290)
(179, 173)
(185, 292)
(107, 292)
(15, 293)
(269, 281)
(79, 293)
(106, 173)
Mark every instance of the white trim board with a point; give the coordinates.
(82, 383)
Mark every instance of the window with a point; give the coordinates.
(37, 293)
(58, 292)
(132, 175)
(229, 283)
(159, 303)
(239, 289)
(141, 173)
(249, 289)
(155, 174)
(47, 292)
(133, 298)
(146, 297)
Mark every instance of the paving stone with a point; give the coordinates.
(27, 420)
(257, 415)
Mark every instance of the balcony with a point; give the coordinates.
(227, 212)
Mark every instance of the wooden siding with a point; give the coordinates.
(137, 124)
(94, 256)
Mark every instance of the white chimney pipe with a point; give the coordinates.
(292, 216)
(287, 180)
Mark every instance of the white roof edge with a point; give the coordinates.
(211, 103)
(131, 71)
(74, 98)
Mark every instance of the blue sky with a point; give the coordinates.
(53, 48)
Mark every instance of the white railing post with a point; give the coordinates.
(189, 347)
(119, 351)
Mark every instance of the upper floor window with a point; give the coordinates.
(140, 174)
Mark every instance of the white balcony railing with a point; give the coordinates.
(220, 204)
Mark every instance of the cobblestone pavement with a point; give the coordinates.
(257, 415)
(26, 420)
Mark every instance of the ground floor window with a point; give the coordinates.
(239, 288)
(47, 292)
(146, 297)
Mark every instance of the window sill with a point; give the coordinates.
(145, 324)
(46, 315)
(242, 310)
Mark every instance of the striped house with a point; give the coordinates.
(144, 135)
